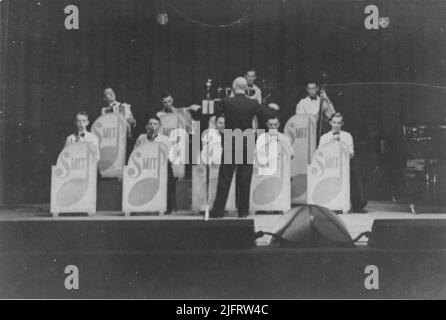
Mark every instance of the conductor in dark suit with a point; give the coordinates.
(239, 112)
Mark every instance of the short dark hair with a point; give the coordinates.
(109, 88)
(337, 115)
(270, 113)
(220, 115)
(272, 116)
(165, 94)
(250, 69)
(81, 113)
(154, 117)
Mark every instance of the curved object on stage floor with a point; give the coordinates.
(145, 179)
(310, 226)
(111, 130)
(73, 179)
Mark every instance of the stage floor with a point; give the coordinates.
(126, 265)
(356, 223)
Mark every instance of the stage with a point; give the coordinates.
(121, 260)
(356, 223)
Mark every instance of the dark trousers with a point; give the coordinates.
(243, 183)
(357, 190)
(171, 189)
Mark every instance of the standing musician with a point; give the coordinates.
(253, 91)
(272, 133)
(167, 102)
(113, 106)
(356, 183)
(273, 124)
(337, 134)
(312, 103)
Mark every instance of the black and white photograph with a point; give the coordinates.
(222, 154)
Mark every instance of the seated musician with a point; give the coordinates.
(82, 135)
(336, 133)
(212, 140)
(311, 104)
(113, 106)
(153, 135)
(219, 125)
(266, 112)
(273, 124)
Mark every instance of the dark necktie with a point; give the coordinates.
(151, 138)
(79, 136)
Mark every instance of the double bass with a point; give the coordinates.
(323, 111)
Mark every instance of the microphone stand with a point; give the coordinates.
(321, 112)
(208, 98)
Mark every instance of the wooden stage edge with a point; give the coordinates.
(356, 223)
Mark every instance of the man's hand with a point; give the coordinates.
(195, 107)
(336, 136)
(131, 121)
(323, 95)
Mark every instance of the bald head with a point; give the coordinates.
(274, 106)
(240, 85)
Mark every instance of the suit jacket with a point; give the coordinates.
(239, 111)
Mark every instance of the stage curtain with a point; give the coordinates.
(48, 72)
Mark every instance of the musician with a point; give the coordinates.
(239, 112)
(220, 123)
(337, 134)
(167, 102)
(253, 91)
(212, 140)
(82, 135)
(153, 135)
(273, 124)
(113, 106)
(356, 183)
(268, 111)
(311, 104)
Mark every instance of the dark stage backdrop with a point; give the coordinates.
(48, 72)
